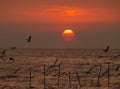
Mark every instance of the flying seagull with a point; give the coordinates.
(29, 39)
(107, 49)
(3, 52)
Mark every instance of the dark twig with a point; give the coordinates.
(108, 74)
(59, 76)
(30, 81)
(44, 76)
(78, 78)
(69, 79)
(99, 74)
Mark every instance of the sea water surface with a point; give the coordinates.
(60, 69)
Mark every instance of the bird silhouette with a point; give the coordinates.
(29, 39)
(107, 49)
(3, 55)
(3, 52)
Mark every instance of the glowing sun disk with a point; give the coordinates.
(68, 35)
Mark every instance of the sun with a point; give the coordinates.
(68, 35)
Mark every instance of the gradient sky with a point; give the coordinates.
(95, 22)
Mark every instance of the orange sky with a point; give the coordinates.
(59, 12)
(95, 22)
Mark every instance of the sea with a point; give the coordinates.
(60, 69)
